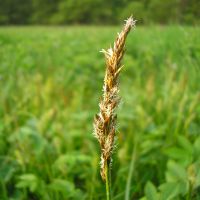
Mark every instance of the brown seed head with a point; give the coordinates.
(105, 121)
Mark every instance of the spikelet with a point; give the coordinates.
(105, 121)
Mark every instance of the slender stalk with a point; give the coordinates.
(129, 178)
(4, 191)
(107, 174)
(189, 195)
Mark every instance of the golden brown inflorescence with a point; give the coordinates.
(105, 121)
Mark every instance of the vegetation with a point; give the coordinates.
(50, 83)
(98, 11)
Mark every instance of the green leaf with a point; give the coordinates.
(29, 181)
(198, 177)
(185, 143)
(66, 188)
(33, 139)
(71, 160)
(197, 146)
(183, 187)
(143, 198)
(63, 186)
(179, 154)
(175, 172)
(7, 168)
(169, 190)
(150, 191)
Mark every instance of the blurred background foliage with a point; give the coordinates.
(58, 12)
(50, 85)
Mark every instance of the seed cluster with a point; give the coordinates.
(105, 121)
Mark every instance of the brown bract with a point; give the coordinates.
(105, 121)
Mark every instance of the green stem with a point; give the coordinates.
(4, 191)
(189, 195)
(129, 178)
(107, 181)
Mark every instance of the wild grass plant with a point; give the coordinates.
(105, 121)
(48, 97)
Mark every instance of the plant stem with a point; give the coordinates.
(189, 195)
(132, 166)
(4, 190)
(107, 181)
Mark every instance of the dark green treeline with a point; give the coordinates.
(98, 11)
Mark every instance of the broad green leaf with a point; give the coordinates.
(179, 154)
(169, 191)
(70, 160)
(175, 172)
(143, 198)
(63, 186)
(197, 183)
(28, 181)
(183, 187)
(7, 168)
(197, 146)
(150, 191)
(33, 139)
(66, 188)
(185, 143)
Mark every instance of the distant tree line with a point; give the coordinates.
(98, 11)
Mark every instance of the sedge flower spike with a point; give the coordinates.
(105, 120)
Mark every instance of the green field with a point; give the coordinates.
(50, 84)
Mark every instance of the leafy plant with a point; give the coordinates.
(182, 174)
